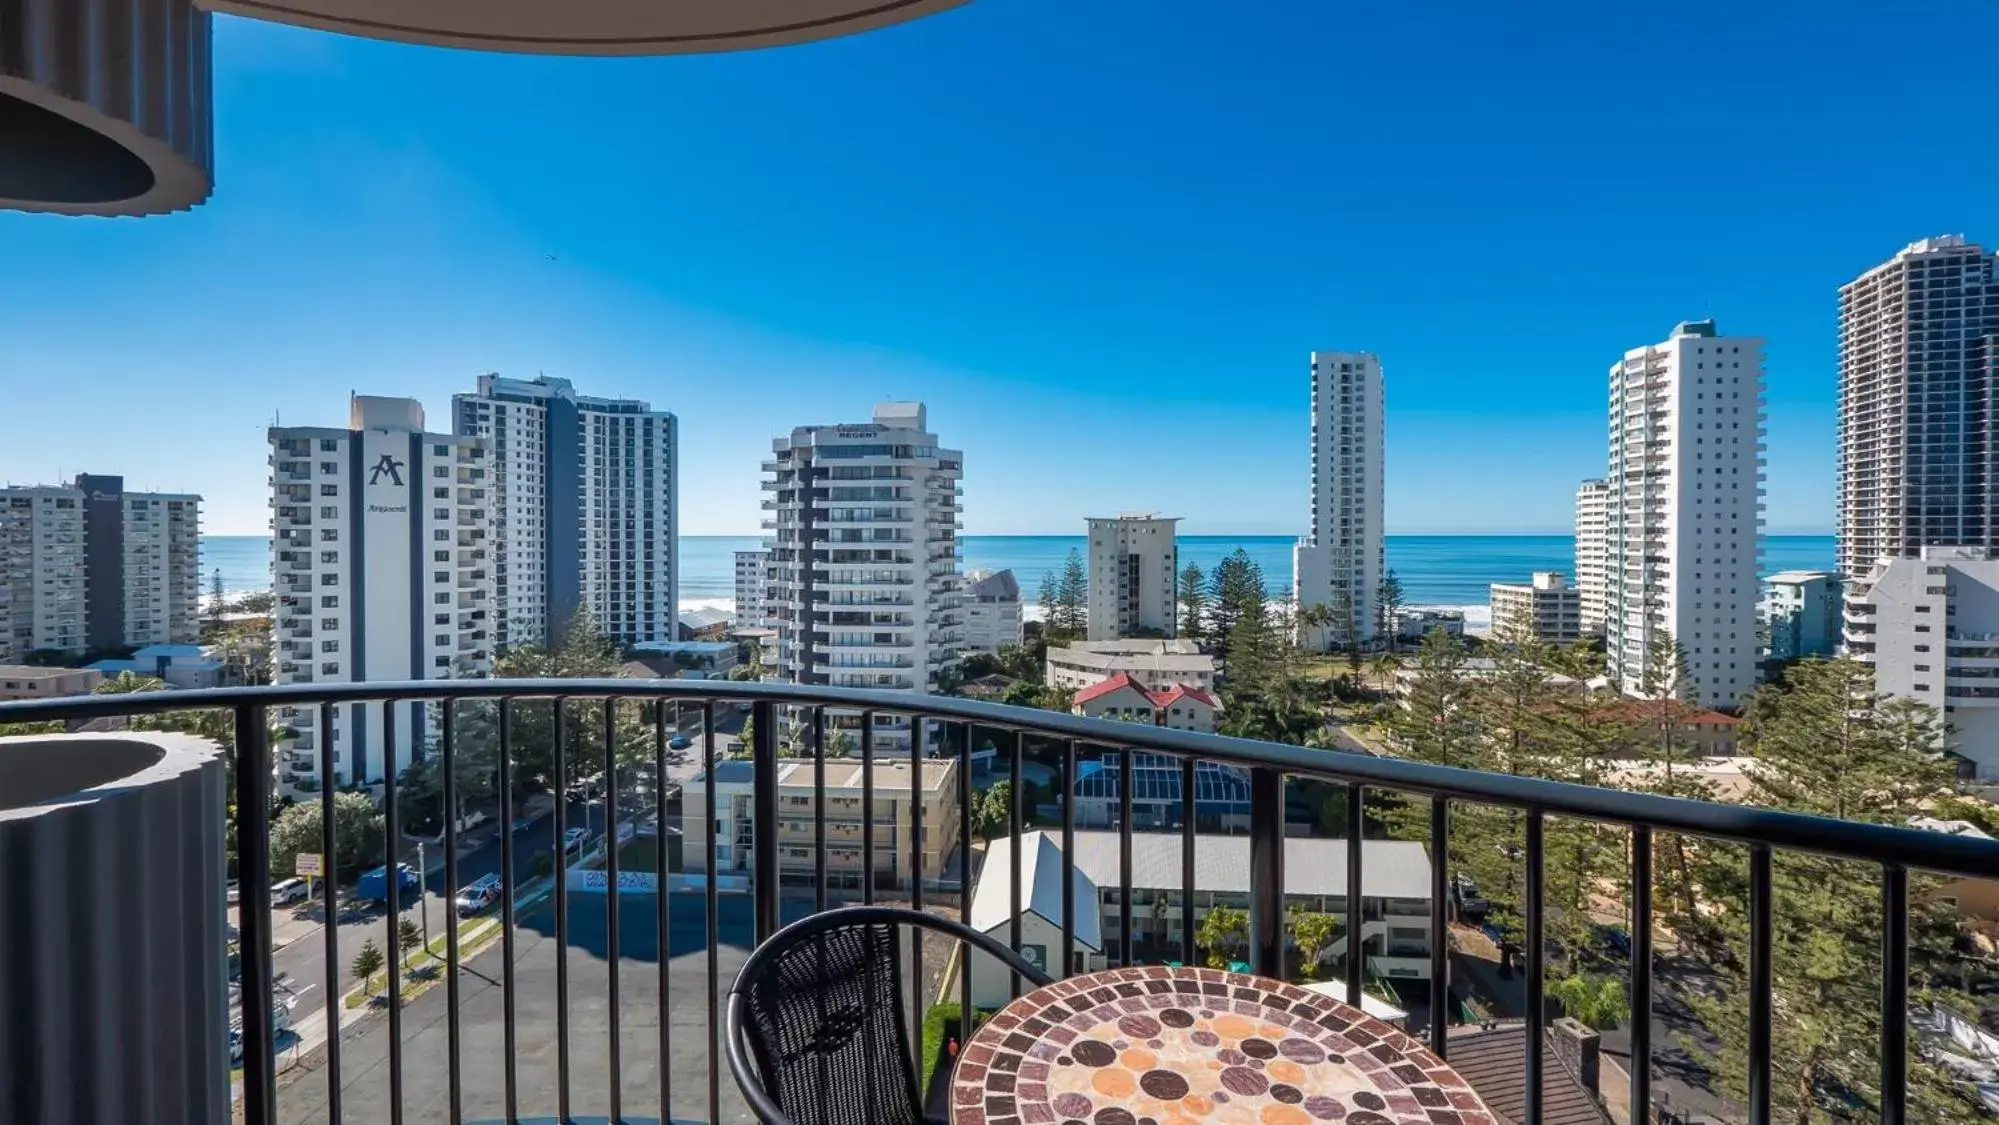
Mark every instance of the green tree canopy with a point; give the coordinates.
(357, 836)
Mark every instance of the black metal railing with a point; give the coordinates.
(1897, 851)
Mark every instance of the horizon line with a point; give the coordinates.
(1783, 533)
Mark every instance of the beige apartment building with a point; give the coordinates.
(1545, 608)
(21, 681)
(797, 845)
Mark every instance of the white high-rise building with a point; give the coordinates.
(1686, 505)
(1930, 627)
(1918, 384)
(992, 610)
(92, 566)
(1339, 565)
(1134, 561)
(382, 565)
(752, 586)
(864, 553)
(585, 496)
(1593, 551)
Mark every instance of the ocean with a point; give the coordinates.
(1440, 570)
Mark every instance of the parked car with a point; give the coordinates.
(679, 742)
(573, 840)
(234, 894)
(478, 895)
(289, 891)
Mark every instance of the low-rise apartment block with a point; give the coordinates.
(1124, 699)
(1930, 627)
(1545, 609)
(21, 681)
(895, 804)
(1395, 912)
(992, 610)
(1155, 664)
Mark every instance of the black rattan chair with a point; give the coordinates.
(816, 1027)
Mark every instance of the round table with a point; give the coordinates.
(1152, 1045)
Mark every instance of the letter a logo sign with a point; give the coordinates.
(389, 467)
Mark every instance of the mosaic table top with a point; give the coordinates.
(1152, 1045)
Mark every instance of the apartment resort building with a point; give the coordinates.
(383, 570)
(1134, 560)
(752, 583)
(1592, 552)
(864, 588)
(1918, 384)
(1339, 565)
(583, 493)
(1686, 472)
(92, 566)
(1545, 608)
(992, 611)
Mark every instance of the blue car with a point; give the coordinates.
(679, 742)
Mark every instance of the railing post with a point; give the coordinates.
(253, 875)
(1266, 872)
(763, 761)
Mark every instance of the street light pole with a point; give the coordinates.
(423, 894)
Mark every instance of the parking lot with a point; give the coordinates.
(364, 1053)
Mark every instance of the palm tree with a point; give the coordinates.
(1383, 667)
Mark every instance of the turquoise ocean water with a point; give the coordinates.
(1434, 569)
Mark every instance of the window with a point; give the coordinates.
(441, 534)
(329, 580)
(441, 619)
(329, 601)
(329, 490)
(329, 513)
(329, 445)
(329, 646)
(440, 556)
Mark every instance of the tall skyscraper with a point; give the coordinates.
(1340, 564)
(585, 492)
(865, 590)
(1134, 560)
(1593, 551)
(382, 567)
(1918, 382)
(1686, 461)
(92, 566)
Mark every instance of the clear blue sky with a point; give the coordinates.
(1098, 238)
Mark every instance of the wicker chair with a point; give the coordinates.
(816, 1027)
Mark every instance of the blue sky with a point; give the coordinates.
(1098, 238)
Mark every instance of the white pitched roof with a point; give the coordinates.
(1040, 888)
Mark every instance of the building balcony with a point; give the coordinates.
(457, 1053)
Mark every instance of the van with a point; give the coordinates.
(288, 891)
(479, 894)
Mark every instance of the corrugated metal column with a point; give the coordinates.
(1266, 872)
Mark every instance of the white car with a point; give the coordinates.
(574, 839)
(289, 891)
(234, 893)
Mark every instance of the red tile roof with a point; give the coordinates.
(1158, 699)
(1105, 687)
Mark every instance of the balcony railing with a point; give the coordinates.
(578, 752)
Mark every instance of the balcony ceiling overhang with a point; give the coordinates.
(105, 104)
(590, 27)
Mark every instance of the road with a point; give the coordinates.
(365, 1095)
(303, 961)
